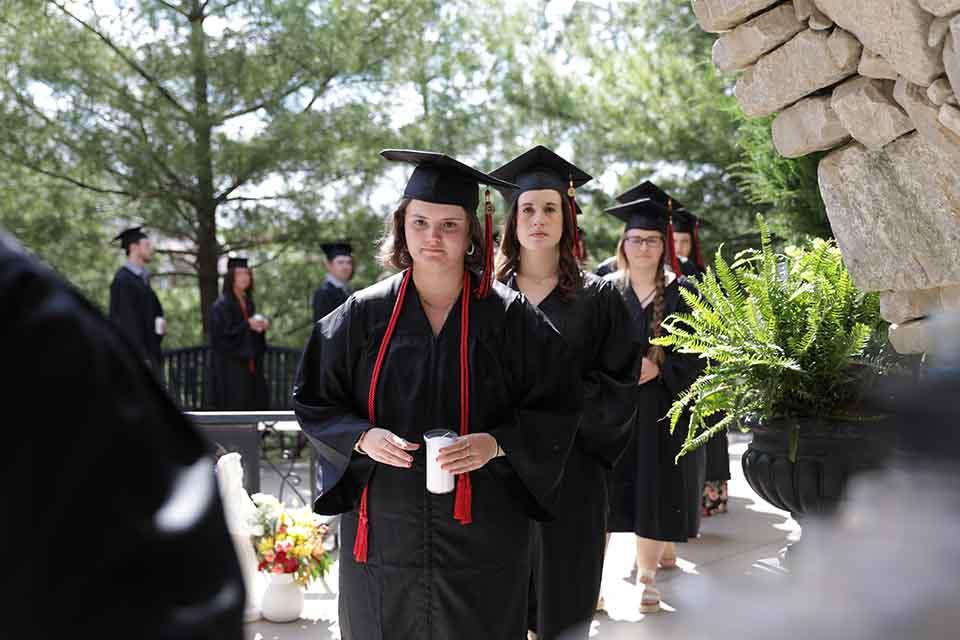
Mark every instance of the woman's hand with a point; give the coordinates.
(468, 453)
(648, 371)
(386, 447)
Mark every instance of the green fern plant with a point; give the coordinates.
(782, 334)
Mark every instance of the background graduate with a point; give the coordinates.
(238, 340)
(439, 345)
(335, 288)
(652, 496)
(134, 307)
(539, 257)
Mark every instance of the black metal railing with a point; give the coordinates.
(186, 374)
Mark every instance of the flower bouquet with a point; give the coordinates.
(288, 541)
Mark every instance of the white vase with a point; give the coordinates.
(282, 599)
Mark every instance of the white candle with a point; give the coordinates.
(438, 480)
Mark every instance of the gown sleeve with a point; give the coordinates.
(324, 405)
(610, 383)
(125, 314)
(548, 398)
(680, 370)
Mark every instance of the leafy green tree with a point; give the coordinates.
(221, 123)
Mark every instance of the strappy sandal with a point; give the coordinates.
(650, 595)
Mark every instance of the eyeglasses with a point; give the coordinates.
(654, 242)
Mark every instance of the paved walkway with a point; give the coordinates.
(739, 548)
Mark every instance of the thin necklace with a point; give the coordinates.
(538, 280)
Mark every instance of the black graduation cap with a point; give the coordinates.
(129, 236)
(649, 215)
(684, 221)
(642, 213)
(334, 249)
(236, 263)
(647, 189)
(441, 179)
(541, 168)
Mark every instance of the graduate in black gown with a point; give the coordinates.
(686, 235)
(651, 495)
(694, 465)
(437, 346)
(238, 340)
(134, 307)
(539, 257)
(113, 512)
(335, 288)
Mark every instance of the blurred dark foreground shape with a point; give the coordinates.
(113, 525)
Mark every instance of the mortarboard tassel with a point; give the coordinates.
(486, 279)
(572, 192)
(671, 247)
(463, 502)
(360, 545)
(696, 246)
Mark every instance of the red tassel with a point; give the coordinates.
(360, 545)
(486, 279)
(571, 193)
(463, 502)
(671, 247)
(696, 247)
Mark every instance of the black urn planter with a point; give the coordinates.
(827, 454)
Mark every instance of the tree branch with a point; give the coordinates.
(64, 178)
(174, 8)
(130, 62)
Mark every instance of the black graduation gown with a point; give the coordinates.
(233, 345)
(134, 308)
(568, 555)
(606, 267)
(650, 495)
(101, 467)
(326, 298)
(718, 447)
(427, 576)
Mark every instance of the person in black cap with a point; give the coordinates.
(334, 290)
(438, 346)
(651, 496)
(134, 307)
(686, 241)
(238, 340)
(694, 464)
(126, 529)
(538, 258)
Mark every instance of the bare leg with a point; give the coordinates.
(668, 560)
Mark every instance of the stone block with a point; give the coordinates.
(925, 115)
(744, 45)
(810, 61)
(949, 116)
(939, 29)
(912, 337)
(868, 111)
(896, 29)
(895, 213)
(872, 65)
(902, 306)
(804, 9)
(941, 7)
(951, 64)
(722, 15)
(819, 20)
(808, 126)
(939, 91)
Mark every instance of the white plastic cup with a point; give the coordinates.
(438, 480)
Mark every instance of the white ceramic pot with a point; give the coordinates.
(282, 599)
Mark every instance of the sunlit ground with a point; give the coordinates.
(738, 547)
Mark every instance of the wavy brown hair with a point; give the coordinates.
(655, 352)
(393, 246)
(508, 260)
